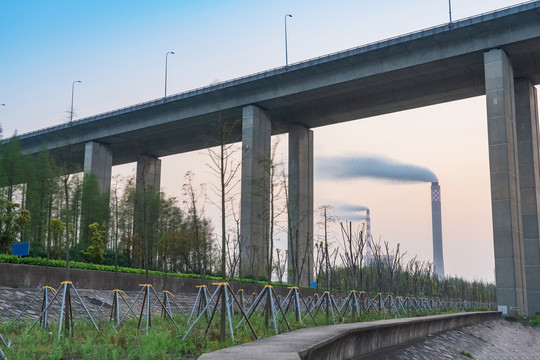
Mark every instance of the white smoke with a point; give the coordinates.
(375, 167)
(351, 208)
(350, 212)
(352, 217)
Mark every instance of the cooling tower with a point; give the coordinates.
(436, 225)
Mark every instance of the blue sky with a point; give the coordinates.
(117, 49)
(117, 46)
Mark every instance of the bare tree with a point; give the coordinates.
(225, 167)
(427, 274)
(334, 281)
(294, 267)
(326, 219)
(353, 245)
(235, 245)
(379, 264)
(115, 218)
(233, 255)
(276, 189)
(319, 261)
(195, 211)
(393, 258)
(415, 268)
(280, 265)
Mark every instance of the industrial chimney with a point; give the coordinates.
(369, 239)
(436, 224)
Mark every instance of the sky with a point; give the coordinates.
(117, 50)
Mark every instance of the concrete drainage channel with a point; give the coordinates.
(349, 341)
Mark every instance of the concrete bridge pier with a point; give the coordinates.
(505, 183)
(529, 182)
(98, 162)
(147, 188)
(96, 187)
(300, 207)
(255, 191)
(148, 173)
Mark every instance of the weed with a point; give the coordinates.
(162, 342)
(476, 337)
(534, 320)
(530, 321)
(467, 354)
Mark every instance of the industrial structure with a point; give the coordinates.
(436, 226)
(368, 259)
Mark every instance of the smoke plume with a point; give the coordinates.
(351, 212)
(375, 167)
(351, 208)
(352, 217)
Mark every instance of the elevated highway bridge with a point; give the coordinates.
(495, 54)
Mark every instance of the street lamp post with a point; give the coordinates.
(286, 53)
(166, 56)
(450, 10)
(72, 91)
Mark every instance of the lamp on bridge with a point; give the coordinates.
(166, 55)
(72, 90)
(286, 54)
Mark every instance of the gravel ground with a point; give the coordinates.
(14, 301)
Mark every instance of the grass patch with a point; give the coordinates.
(525, 320)
(163, 341)
(467, 354)
(534, 320)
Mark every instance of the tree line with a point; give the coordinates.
(344, 264)
(40, 203)
(59, 210)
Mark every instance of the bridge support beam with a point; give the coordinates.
(255, 201)
(529, 176)
(504, 176)
(147, 188)
(300, 205)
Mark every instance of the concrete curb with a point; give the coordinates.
(349, 341)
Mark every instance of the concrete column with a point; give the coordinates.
(96, 189)
(146, 214)
(504, 176)
(529, 181)
(148, 173)
(255, 201)
(98, 162)
(301, 204)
